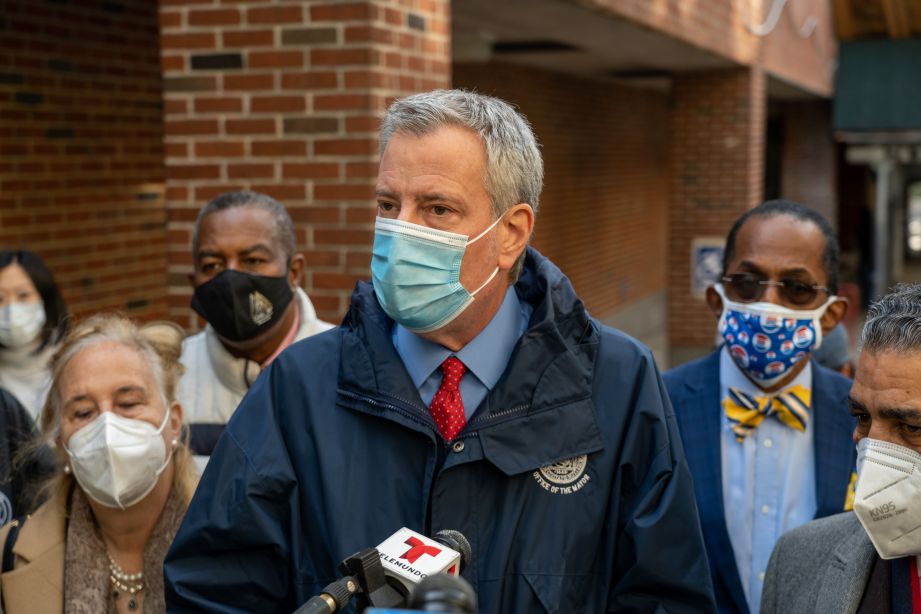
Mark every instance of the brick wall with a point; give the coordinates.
(81, 160)
(717, 157)
(603, 212)
(285, 97)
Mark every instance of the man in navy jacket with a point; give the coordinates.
(466, 389)
(766, 429)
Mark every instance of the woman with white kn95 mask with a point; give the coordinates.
(124, 479)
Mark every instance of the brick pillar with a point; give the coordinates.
(717, 166)
(81, 149)
(285, 98)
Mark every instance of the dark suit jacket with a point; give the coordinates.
(694, 390)
(822, 566)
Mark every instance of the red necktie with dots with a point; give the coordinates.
(447, 405)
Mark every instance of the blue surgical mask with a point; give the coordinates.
(416, 273)
(766, 340)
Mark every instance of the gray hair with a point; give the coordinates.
(894, 322)
(514, 167)
(282, 227)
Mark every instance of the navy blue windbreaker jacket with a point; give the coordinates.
(569, 481)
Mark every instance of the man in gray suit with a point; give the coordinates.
(867, 560)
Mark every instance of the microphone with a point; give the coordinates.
(438, 593)
(444, 593)
(409, 557)
(384, 576)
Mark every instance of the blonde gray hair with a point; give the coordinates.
(160, 344)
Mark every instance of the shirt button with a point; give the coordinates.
(768, 443)
(761, 576)
(458, 446)
(765, 509)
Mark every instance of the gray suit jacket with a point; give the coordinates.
(820, 567)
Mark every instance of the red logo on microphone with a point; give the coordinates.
(417, 548)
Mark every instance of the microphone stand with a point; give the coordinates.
(364, 579)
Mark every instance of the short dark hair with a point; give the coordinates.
(772, 208)
(284, 227)
(56, 320)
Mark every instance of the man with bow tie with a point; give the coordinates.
(765, 428)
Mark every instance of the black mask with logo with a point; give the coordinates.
(240, 306)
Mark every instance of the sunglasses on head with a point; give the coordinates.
(749, 287)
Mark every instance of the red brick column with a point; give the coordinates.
(717, 159)
(285, 97)
(81, 149)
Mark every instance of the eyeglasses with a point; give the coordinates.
(749, 287)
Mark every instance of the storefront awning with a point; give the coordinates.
(878, 87)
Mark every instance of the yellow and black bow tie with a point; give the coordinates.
(746, 412)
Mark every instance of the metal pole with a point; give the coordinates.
(881, 267)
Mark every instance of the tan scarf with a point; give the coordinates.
(87, 589)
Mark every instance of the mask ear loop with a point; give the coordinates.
(174, 443)
(474, 240)
(490, 227)
(486, 283)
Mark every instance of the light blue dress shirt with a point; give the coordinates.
(768, 481)
(485, 356)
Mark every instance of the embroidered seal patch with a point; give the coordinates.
(564, 477)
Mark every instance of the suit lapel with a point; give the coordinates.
(845, 578)
(834, 451)
(700, 416)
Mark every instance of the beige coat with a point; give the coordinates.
(36, 583)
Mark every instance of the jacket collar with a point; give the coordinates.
(238, 374)
(548, 377)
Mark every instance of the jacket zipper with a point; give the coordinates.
(417, 416)
(413, 415)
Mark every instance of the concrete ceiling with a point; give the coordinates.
(561, 36)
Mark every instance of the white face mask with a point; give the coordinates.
(20, 323)
(887, 500)
(117, 460)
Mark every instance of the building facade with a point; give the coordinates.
(660, 123)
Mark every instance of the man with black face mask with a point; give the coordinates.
(246, 288)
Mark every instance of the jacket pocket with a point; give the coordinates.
(558, 593)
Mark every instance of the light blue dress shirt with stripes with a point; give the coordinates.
(768, 481)
(485, 356)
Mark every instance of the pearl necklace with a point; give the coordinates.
(131, 583)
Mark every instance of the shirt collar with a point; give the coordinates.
(486, 355)
(289, 338)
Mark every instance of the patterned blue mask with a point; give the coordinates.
(416, 273)
(765, 340)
